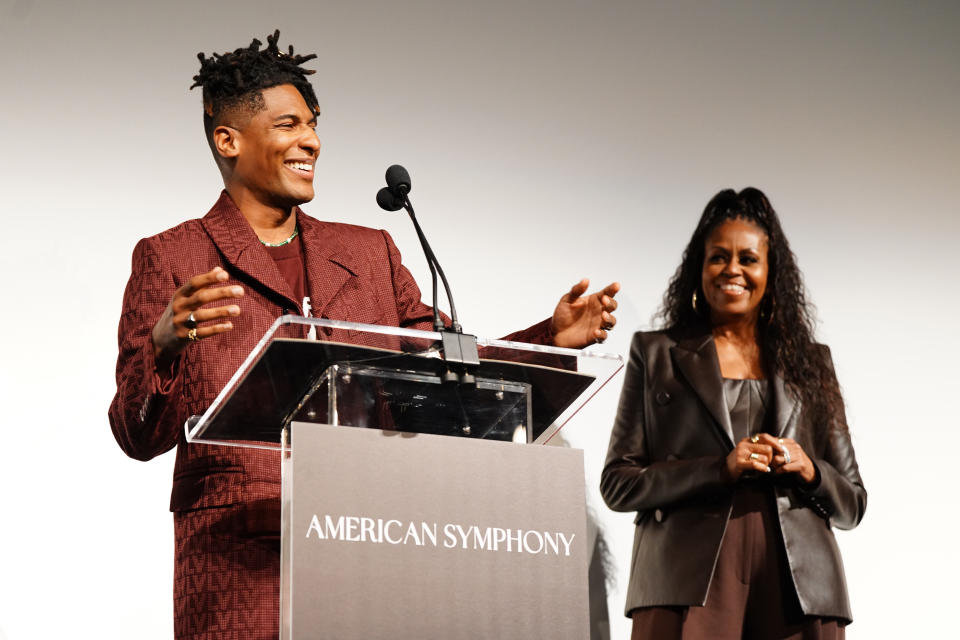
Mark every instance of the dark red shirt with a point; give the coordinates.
(289, 259)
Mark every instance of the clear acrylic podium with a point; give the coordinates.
(391, 379)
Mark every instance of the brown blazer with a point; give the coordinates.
(666, 462)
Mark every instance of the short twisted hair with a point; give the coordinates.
(234, 81)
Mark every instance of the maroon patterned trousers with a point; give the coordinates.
(227, 572)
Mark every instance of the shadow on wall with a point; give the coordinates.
(600, 573)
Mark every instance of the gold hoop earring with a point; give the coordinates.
(693, 302)
(766, 314)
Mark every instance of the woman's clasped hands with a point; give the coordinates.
(765, 453)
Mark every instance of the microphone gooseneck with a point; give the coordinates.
(457, 347)
(393, 197)
(435, 266)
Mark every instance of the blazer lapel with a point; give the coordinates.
(785, 405)
(329, 262)
(238, 243)
(696, 358)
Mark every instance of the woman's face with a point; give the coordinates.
(735, 270)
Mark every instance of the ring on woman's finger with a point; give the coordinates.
(780, 441)
(754, 456)
(192, 335)
(190, 322)
(755, 438)
(786, 456)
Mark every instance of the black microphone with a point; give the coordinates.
(388, 200)
(458, 347)
(393, 196)
(398, 180)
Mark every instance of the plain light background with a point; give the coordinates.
(547, 141)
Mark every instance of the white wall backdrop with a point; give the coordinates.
(569, 139)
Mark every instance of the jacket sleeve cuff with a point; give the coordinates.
(540, 333)
(813, 494)
(812, 486)
(160, 381)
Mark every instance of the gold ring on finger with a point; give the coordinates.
(755, 438)
(780, 441)
(192, 335)
(754, 456)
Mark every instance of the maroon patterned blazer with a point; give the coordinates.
(353, 273)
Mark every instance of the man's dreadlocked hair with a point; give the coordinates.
(235, 79)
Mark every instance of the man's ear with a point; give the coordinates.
(226, 141)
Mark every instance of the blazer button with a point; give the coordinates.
(658, 515)
(662, 397)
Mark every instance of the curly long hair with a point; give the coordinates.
(786, 324)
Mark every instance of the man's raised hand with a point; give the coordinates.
(579, 320)
(184, 321)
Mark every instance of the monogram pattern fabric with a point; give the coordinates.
(225, 499)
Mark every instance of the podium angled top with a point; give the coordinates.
(391, 378)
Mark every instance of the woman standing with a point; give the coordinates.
(731, 444)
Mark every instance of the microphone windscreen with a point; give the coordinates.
(398, 178)
(388, 201)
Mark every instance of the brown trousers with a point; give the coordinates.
(751, 596)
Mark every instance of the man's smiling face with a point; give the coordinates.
(277, 148)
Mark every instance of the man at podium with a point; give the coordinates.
(200, 296)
